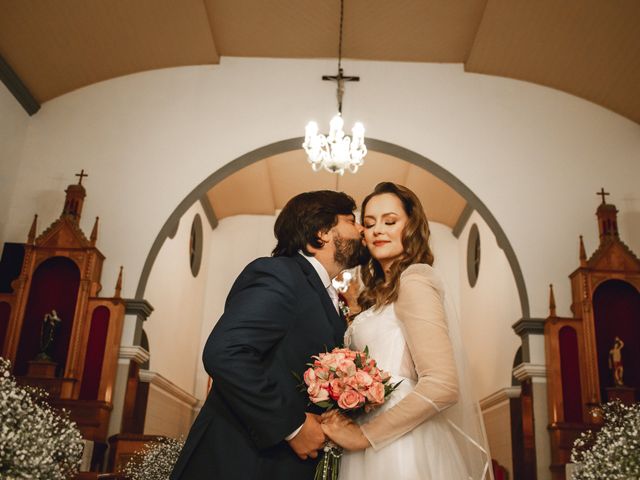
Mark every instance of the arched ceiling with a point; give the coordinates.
(589, 48)
(264, 187)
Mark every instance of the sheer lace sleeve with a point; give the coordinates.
(420, 309)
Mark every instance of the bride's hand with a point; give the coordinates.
(343, 431)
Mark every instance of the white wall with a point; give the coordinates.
(446, 259)
(234, 243)
(178, 299)
(497, 424)
(535, 156)
(13, 127)
(487, 312)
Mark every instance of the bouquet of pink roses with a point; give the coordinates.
(349, 381)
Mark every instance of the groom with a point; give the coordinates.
(280, 311)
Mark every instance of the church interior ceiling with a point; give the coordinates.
(287, 174)
(588, 48)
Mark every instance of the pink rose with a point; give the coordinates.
(321, 395)
(384, 376)
(376, 374)
(363, 379)
(351, 382)
(336, 387)
(322, 373)
(350, 399)
(346, 368)
(350, 354)
(329, 360)
(314, 389)
(309, 376)
(375, 394)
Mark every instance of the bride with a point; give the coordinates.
(430, 428)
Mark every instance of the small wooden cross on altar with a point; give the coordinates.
(81, 174)
(602, 193)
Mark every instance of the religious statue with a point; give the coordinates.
(50, 324)
(615, 362)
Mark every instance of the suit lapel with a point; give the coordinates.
(334, 318)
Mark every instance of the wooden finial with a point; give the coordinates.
(119, 284)
(94, 232)
(32, 231)
(552, 302)
(81, 175)
(583, 253)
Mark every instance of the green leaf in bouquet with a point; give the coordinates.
(366, 352)
(390, 388)
(325, 404)
(358, 361)
(302, 387)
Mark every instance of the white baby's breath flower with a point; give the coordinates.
(614, 451)
(155, 461)
(36, 442)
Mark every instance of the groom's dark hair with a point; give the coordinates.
(304, 216)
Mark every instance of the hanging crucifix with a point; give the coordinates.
(340, 78)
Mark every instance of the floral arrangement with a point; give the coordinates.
(35, 441)
(155, 461)
(614, 451)
(349, 381)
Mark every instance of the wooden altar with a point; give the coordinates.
(59, 283)
(605, 305)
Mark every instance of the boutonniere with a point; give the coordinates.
(343, 306)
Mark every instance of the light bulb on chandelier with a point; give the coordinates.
(336, 152)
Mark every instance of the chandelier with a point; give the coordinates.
(336, 152)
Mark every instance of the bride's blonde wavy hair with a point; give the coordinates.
(415, 240)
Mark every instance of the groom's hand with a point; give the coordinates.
(309, 439)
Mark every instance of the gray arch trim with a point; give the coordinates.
(372, 144)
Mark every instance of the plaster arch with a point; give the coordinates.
(373, 145)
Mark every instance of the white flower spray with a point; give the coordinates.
(155, 461)
(36, 441)
(613, 452)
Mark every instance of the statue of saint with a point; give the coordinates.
(615, 362)
(50, 324)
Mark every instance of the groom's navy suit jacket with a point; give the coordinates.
(277, 315)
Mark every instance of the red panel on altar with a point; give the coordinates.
(95, 354)
(616, 308)
(54, 287)
(5, 312)
(570, 371)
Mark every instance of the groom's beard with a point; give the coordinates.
(349, 252)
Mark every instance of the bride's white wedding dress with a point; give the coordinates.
(422, 432)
